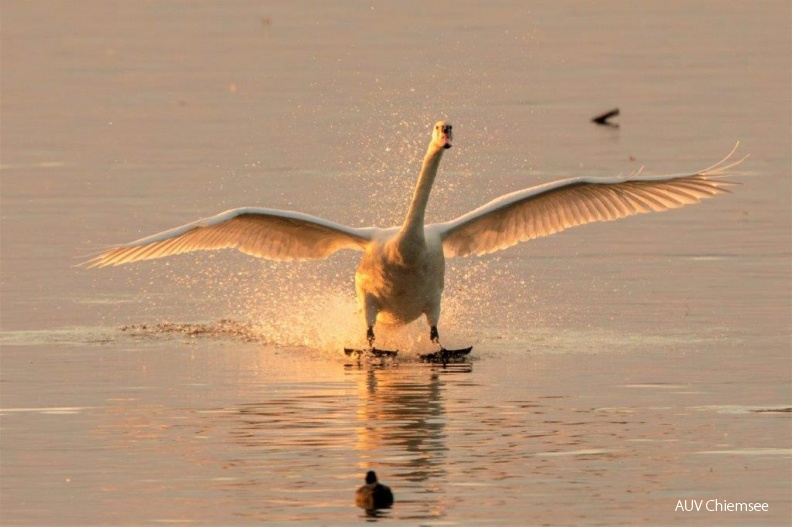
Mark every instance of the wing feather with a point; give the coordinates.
(553, 207)
(263, 233)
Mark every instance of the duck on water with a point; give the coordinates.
(373, 495)
(401, 274)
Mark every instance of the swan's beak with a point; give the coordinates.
(446, 137)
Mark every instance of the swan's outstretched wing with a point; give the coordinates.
(265, 233)
(547, 209)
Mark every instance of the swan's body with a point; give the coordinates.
(396, 285)
(400, 276)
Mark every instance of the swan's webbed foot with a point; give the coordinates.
(443, 355)
(371, 351)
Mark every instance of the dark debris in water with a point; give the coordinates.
(223, 328)
(773, 410)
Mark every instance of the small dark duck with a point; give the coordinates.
(373, 495)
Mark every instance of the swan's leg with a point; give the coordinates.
(433, 317)
(442, 355)
(434, 336)
(370, 308)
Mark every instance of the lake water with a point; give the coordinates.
(617, 368)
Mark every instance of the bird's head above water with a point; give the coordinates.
(442, 135)
(371, 477)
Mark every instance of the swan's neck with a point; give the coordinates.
(414, 222)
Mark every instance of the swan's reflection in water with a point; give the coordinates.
(400, 426)
(288, 444)
(387, 417)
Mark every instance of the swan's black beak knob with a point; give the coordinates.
(448, 135)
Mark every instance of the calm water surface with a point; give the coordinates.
(617, 368)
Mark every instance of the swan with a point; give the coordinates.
(373, 495)
(401, 273)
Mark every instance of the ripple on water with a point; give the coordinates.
(65, 410)
(738, 409)
(786, 452)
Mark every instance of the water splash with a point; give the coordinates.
(309, 304)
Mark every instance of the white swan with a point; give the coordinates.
(400, 276)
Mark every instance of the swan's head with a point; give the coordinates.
(442, 135)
